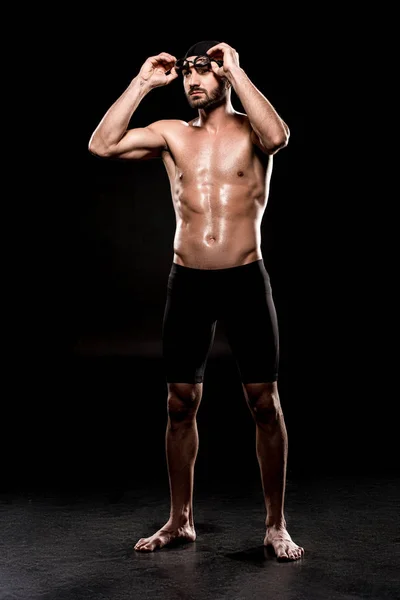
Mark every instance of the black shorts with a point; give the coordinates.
(240, 299)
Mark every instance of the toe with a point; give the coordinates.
(297, 553)
(141, 544)
(138, 546)
(283, 558)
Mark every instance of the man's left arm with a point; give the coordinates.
(271, 130)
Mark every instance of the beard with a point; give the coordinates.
(206, 99)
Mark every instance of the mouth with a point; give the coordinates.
(196, 92)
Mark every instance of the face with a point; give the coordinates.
(202, 87)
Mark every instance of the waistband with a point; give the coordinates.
(176, 268)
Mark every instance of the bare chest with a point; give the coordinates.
(200, 154)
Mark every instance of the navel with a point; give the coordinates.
(210, 239)
(240, 173)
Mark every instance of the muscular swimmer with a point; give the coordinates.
(219, 166)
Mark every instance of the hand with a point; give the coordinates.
(159, 70)
(227, 54)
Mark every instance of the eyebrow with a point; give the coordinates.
(187, 69)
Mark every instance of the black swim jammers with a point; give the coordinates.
(240, 299)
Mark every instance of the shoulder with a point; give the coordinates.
(164, 126)
(243, 122)
(241, 118)
(255, 140)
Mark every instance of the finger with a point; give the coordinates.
(218, 49)
(171, 75)
(166, 57)
(215, 68)
(217, 53)
(163, 59)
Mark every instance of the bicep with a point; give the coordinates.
(139, 144)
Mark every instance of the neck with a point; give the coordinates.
(216, 115)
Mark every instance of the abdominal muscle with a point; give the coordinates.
(219, 188)
(216, 230)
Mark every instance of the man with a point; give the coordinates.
(219, 167)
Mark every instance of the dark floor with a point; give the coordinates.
(78, 546)
(84, 477)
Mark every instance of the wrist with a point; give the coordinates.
(141, 85)
(235, 73)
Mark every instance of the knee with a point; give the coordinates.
(183, 400)
(263, 401)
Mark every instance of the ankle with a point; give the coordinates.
(180, 518)
(276, 523)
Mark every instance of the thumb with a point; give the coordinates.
(171, 75)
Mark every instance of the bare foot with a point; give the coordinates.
(283, 545)
(167, 535)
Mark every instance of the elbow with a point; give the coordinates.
(283, 139)
(283, 142)
(94, 148)
(279, 142)
(97, 147)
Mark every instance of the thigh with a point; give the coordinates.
(187, 333)
(251, 327)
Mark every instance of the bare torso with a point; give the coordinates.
(219, 186)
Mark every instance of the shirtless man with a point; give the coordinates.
(219, 167)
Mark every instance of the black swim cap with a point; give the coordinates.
(201, 48)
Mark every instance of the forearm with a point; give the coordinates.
(115, 122)
(267, 124)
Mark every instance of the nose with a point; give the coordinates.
(194, 79)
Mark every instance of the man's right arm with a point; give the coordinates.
(112, 138)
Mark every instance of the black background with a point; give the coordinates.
(94, 249)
